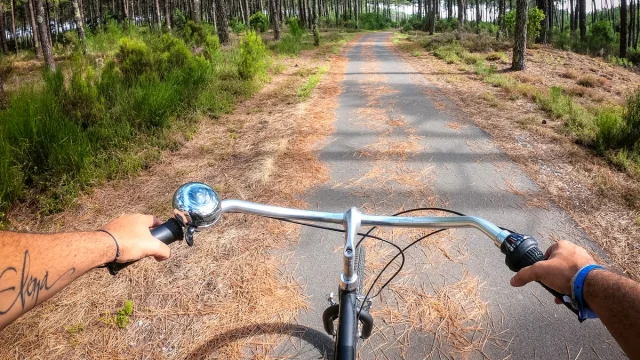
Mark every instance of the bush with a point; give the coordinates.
(134, 60)
(372, 21)
(611, 129)
(533, 23)
(631, 118)
(602, 38)
(259, 21)
(291, 43)
(179, 20)
(236, 25)
(194, 34)
(251, 56)
(451, 53)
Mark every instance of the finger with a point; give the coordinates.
(149, 221)
(558, 301)
(529, 274)
(551, 249)
(161, 252)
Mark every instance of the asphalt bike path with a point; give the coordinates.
(398, 143)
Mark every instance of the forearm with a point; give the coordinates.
(33, 268)
(616, 301)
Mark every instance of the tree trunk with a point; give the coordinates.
(544, 23)
(80, 26)
(13, 26)
(583, 19)
(460, 13)
(44, 36)
(222, 20)
(520, 41)
(158, 16)
(478, 15)
(167, 14)
(623, 28)
(274, 20)
(316, 33)
(196, 11)
(34, 30)
(432, 20)
(3, 38)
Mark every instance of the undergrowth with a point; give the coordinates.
(103, 122)
(305, 90)
(611, 131)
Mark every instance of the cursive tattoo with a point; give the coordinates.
(30, 285)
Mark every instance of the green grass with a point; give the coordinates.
(305, 90)
(69, 132)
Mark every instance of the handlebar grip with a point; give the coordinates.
(168, 233)
(522, 251)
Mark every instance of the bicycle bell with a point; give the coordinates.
(196, 206)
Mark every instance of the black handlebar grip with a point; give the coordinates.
(522, 251)
(168, 232)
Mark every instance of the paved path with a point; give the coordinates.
(390, 122)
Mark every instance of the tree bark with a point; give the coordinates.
(34, 30)
(222, 21)
(167, 14)
(196, 11)
(461, 12)
(274, 20)
(13, 26)
(158, 16)
(544, 23)
(623, 28)
(79, 24)
(3, 38)
(44, 36)
(432, 20)
(583, 19)
(520, 41)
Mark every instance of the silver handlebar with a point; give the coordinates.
(199, 206)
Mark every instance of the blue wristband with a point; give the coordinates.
(577, 288)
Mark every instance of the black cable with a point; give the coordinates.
(366, 235)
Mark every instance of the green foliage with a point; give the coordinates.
(373, 21)
(251, 56)
(619, 61)
(194, 34)
(533, 22)
(237, 26)
(305, 90)
(259, 22)
(105, 39)
(135, 60)
(610, 130)
(446, 25)
(602, 38)
(61, 137)
(291, 43)
(121, 319)
(451, 53)
(178, 19)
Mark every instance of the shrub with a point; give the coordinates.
(236, 25)
(194, 34)
(611, 130)
(259, 21)
(451, 53)
(373, 21)
(251, 56)
(602, 38)
(179, 20)
(631, 118)
(533, 23)
(169, 53)
(134, 60)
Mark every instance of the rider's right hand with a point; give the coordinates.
(564, 259)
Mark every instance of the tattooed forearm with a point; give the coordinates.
(27, 291)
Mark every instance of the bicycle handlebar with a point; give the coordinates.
(197, 206)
